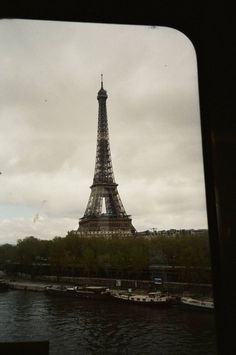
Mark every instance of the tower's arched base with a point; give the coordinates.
(106, 225)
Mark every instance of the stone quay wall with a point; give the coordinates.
(171, 287)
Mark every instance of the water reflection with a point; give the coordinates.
(76, 326)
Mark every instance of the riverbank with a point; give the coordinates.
(173, 288)
(121, 294)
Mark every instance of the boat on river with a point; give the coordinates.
(151, 298)
(55, 290)
(193, 303)
(77, 291)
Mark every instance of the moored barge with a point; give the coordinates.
(193, 303)
(77, 291)
(151, 298)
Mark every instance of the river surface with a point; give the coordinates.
(78, 326)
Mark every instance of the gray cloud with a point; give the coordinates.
(48, 114)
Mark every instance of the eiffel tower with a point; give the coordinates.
(105, 213)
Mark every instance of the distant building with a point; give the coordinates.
(172, 233)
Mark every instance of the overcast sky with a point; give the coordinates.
(49, 79)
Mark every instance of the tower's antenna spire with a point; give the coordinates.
(102, 81)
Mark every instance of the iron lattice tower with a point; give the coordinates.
(105, 213)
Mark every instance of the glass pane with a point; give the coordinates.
(95, 113)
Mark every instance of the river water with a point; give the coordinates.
(77, 326)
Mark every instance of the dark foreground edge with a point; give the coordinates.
(25, 348)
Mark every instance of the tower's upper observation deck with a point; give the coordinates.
(102, 94)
